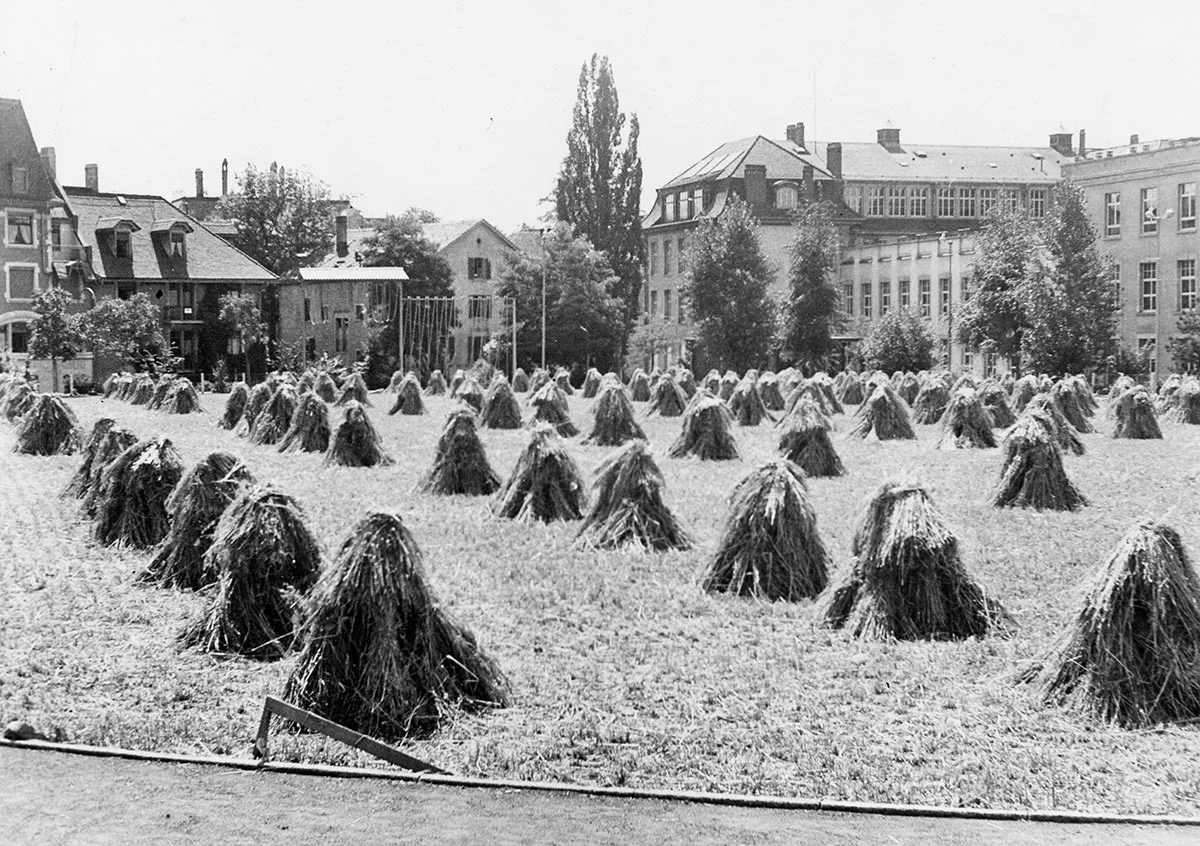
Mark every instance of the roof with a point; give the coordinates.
(864, 161)
(443, 233)
(342, 274)
(353, 257)
(783, 160)
(207, 255)
(19, 149)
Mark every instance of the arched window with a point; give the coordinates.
(786, 196)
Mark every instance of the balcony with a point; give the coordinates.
(180, 314)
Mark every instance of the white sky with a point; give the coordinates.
(464, 107)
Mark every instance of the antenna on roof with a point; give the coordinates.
(814, 110)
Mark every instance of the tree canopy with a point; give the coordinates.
(812, 311)
(282, 217)
(583, 320)
(399, 241)
(243, 317)
(900, 340)
(599, 187)
(129, 330)
(726, 286)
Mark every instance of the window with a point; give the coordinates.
(905, 294)
(1187, 284)
(885, 296)
(918, 202)
(964, 287)
(945, 202)
(875, 201)
(307, 310)
(697, 202)
(341, 333)
(22, 282)
(18, 337)
(667, 257)
(685, 203)
(479, 268)
(669, 200)
(848, 298)
(360, 312)
(966, 202)
(20, 230)
(475, 345)
(1147, 351)
(1149, 211)
(679, 256)
(968, 360)
(479, 308)
(854, 198)
(924, 295)
(1148, 274)
(653, 258)
(324, 314)
(866, 299)
(679, 310)
(654, 303)
(1187, 205)
(1112, 214)
(185, 298)
(787, 197)
(897, 201)
(121, 243)
(1037, 202)
(20, 180)
(667, 304)
(944, 296)
(1114, 281)
(989, 364)
(988, 198)
(310, 349)
(1010, 200)
(56, 227)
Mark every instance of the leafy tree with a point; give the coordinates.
(282, 217)
(811, 313)
(583, 320)
(53, 334)
(900, 340)
(599, 188)
(726, 287)
(129, 330)
(241, 314)
(1185, 347)
(646, 339)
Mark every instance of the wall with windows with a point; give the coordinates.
(325, 317)
(477, 259)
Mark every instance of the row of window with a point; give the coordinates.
(924, 303)
(668, 297)
(669, 265)
(914, 200)
(1148, 206)
(683, 205)
(1185, 270)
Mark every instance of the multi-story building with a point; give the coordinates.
(1141, 197)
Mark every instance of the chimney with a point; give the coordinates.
(91, 177)
(341, 225)
(50, 162)
(833, 158)
(889, 139)
(810, 184)
(795, 134)
(199, 182)
(1133, 139)
(1061, 143)
(225, 178)
(756, 185)
(1082, 143)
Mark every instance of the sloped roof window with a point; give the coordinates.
(786, 196)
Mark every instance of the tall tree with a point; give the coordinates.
(54, 333)
(1185, 346)
(241, 314)
(812, 313)
(583, 320)
(726, 286)
(900, 340)
(128, 330)
(282, 217)
(599, 186)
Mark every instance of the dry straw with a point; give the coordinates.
(235, 406)
(308, 430)
(909, 387)
(705, 432)
(539, 378)
(770, 547)
(520, 381)
(995, 402)
(1060, 429)
(639, 386)
(354, 389)
(591, 383)
(906, 580)
(1132, 654)
(265, 559)
(1067, 399)
(966, 424)
(325, 387)
(562, 377)
(853, 391)
(408, 395)
(806, 443)
(460, 464)
(355, 443)
(500, 408)
(550, 405)
(931, 401)
(260, 395)
(746, 403)
(884, 416)
(545, 484)
(614, 422)
(470, 393)
(110, 445)
(629, 508)
(435, 385)
(275, 418)
(377, 651)
(1185, 407)
(80, 482)
(49, 427)
(769, 393)
(130, 505)
(667, 398)
(194, 507)
(1032, 475)
(1135, 416)
(18, 399)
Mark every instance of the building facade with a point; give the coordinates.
(1141, 197)
(333, 311)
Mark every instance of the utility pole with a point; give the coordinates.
(545, 269)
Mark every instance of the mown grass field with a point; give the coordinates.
(623, 671)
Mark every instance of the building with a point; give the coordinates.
(1141, 196)
(333, 311)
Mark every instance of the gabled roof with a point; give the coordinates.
(783, 160)
(445, 232)
(166, 224)
(18, 148)
(207, 255)
(342, 274)
(108, 224)
(353, 257)
(864, 161)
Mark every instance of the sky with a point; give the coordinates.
(463, 107)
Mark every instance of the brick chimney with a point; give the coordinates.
(225, 178)
(1082, 142)
(199, 182)
(341, 225)
(1062, 143)
(1133, 139)
(91, 177)
(889, 139)
(810, 183)
(795, 134)
(50, 162)
(756, 185)
(833, 158)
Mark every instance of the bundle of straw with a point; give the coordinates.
(769, 393)
(520, 381)
(79, 483)
(110, 385)
(142, 391)
(18, 399)
(1186, 407)
(746, 403)
(545, 484)
(909, 387)
(397, 377)
(563, 379)
(591, 383)
(667, 398)
(1135, 416)
(966, 425)
(705, 432)
(435, 385)
(1032, 475)
(133, 491)
(377, 652)
(469, 393)
(906, 580)
(500, 408)
(629, 508)
(539, 378)
(853, 391)
(260, 395)
(460, 464)
(1061, 431)
(264, 559)
(613, 423)
(686, 380)
(728, 384)
(408, 396)
(194, 507)
(49, 427)
(159, 395)
(639, 386)
(931, 402)
(884, 415)
(1064, 396)
(354, 389)
(308, 430)
(125, 387)
(551, 407)
(805, 441)
(811, 390)
(770, 547)
(995, 402)
(275, 419)
(355, 443)
(235, 406)
(712, 382)
(183, 398)
(825, 385)
(1132, 654)
(325, 388)
(110, 445)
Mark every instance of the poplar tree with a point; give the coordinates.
(812, 312)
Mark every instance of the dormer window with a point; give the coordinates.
(786, 196)
(171, 235)
(177, 242)
(20, 180)
(120, 230)
(122, 243)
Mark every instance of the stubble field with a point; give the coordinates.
(623, 672)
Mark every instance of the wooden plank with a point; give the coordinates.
(340, 733)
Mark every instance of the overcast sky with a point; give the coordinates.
(463, 107)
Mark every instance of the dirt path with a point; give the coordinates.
(52, 798)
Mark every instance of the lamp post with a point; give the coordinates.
(545, 268)
(1159, 300)
(949, 299)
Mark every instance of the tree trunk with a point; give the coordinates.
(53, 375)
(246, 353)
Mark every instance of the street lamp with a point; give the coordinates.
(949, 298)
(545, 268)
(1159, 300)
